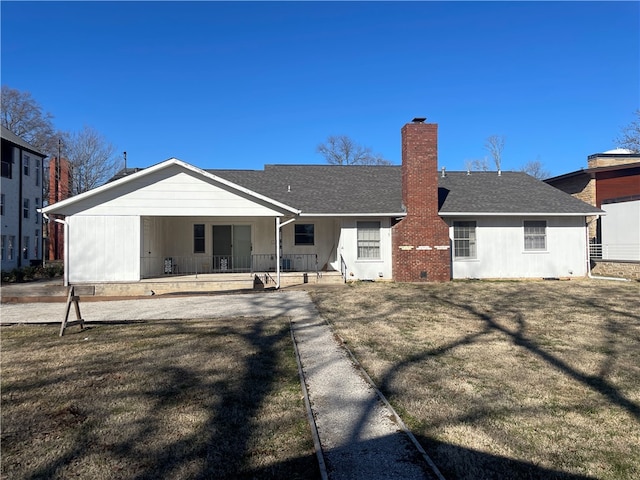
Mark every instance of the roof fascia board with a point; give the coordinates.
(159, 166)
(520, 214)
(402, 214)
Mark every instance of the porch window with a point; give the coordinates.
(368, 240)
(535, 235)
(198, 238)
(464, 240)
(304, 234)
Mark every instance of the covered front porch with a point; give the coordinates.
(197, 246)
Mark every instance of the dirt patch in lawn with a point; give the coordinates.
(505, 379)
(188, 400)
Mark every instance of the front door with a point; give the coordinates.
(231, 247)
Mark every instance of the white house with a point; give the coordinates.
(404, 223)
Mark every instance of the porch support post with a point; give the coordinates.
(277, 252)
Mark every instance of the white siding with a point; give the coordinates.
(103, 249)
(172, 191)
(501, 253)
(348, 247)
(621, 231)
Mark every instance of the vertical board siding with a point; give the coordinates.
(501, 253)
(104, 249)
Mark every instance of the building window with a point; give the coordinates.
(368, 240)
(11, 247)
(38, 168)
(198, 238)
(25, 208)
(535, 235)
(7, 161)
(304, 234)
(25, 165)
(3, 246)
(1, 203)
(464, 239)
(25, 248)
(36, 207)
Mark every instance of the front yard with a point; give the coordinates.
(505, 379)
(189, 400)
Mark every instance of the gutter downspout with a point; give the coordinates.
(589, 274)
(66, 247)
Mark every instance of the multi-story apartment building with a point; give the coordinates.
(20, 198)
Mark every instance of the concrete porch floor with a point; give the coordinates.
(54, 290)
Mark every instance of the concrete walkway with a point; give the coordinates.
(359, 433)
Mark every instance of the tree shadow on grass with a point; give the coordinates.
(210, 417)
(503, 314)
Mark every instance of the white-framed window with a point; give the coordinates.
(304, 234)
(25, 165)
(368, 240)
(535, 235)
(464, 239)
(25, 208)
(199, 245)
(38, 168)
(36, 207)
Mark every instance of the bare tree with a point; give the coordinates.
(24, 116)
(477, 164)
(536, 169)
(630, 135)
(92, 159)
(495, 145)
(342, 150)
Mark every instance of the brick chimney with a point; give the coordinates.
(421, 250)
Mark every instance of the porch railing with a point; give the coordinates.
(624, 252)
(200, 264)
(343, 268)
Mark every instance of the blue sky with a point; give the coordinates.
(243, 84)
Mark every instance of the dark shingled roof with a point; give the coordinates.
(325, 189)
(333, 189)
(16, 140)
(509, 193)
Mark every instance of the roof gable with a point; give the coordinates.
(174, 188)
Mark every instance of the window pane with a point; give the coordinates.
(304, 234)
(535, 235)
(369, 240)
(198, 238)
(464, 239)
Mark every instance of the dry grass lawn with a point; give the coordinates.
(189, 400)
(505, 379)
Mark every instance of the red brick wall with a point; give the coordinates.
(58, 192)
(416, 238)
